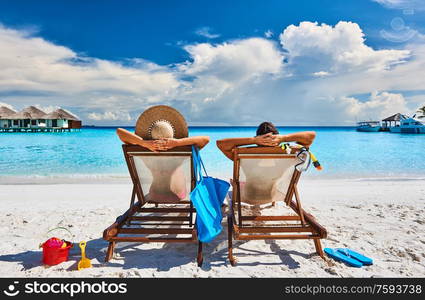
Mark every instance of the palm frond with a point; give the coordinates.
(421, 110)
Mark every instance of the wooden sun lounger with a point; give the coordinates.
(302, 225)
(146, 218)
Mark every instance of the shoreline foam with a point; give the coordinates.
(125, 178)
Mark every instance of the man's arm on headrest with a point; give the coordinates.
(227, 145)
(304, 138)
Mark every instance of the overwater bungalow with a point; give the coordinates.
(400, 123)
(62, 119)
(392, 121)
(32, 119)
(5, 113)
(29, 117)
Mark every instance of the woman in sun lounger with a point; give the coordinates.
(162, 128)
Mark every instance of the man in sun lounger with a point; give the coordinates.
(266, 135)
(267, 175)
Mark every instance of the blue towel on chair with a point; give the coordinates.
(207, 197)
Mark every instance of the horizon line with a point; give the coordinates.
(224, 126)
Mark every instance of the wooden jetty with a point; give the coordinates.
(38, 129)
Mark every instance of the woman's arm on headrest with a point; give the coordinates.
(199, 141)
(128, 137)
(170, 143)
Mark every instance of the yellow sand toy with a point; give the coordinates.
(84, 262)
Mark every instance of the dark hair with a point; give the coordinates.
(266, 127)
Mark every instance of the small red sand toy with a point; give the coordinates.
(55, 251)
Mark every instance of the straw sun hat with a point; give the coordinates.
(161, 121)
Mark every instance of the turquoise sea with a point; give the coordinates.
(96, 152)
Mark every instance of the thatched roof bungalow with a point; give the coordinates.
(393, 120)
(396, 117)
(61, 114)
(6, 112)
(32, 118)
(62, 118)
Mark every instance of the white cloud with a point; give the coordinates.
(206, 32)
(315, 94)
(234, 61)
(314, 79)
(323, 48)
(321, 74)
(268, 34)
(379, 106)
(110, 116)
(415, 102)
(35, 67)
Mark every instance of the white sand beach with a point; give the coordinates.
(383, 219)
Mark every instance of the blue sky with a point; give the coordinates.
(108, 60)
(153, 30)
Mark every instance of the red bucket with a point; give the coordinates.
(53, 255)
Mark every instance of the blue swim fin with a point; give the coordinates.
(353, 254)
(341, 257)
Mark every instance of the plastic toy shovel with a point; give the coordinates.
(84, 262)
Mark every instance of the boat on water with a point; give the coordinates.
(408, 125)
(368, 126)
